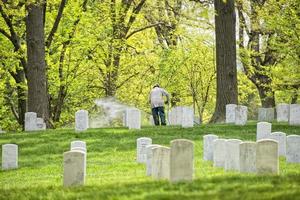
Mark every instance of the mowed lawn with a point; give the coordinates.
(112, 172)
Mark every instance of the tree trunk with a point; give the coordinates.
(227, 92)
(21, 93)
(37, 89)
(267, 96)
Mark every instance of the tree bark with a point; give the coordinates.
(37, 89)
(227, 91)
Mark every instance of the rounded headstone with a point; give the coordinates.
(248, 157)
(208, 148)
(232, 156)
(263, 130)
(9, 156)
(161, 163)
(280, 137)
(293, 149)
(267, 158)
(141, 145)
(181, 160)
(219, 146)
(149, 151)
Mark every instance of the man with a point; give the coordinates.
(156, 99)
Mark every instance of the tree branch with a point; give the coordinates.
(141, 29)
(56, 23)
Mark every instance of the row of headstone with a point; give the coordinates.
(181, 115)
(175, 163)
(260, 157)
(250, 157)
(236, 114)
(9, 156)
(284, 113)
(286, 144)
(34, 123)
(75, 164)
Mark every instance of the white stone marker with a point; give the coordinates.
(232, 155)
(181, 160)
(133, 118)
(248, 157)
(208, 148)
(282, 111)
(9, 156)
(141, 151)
(161, 163)
(40, 124)
(219, 146)
(149, 151)
(74, 168)
(81, 120)
(78, 143)
(230, 113)
(187, 117)
(241, 113)
(280, 137)
(294, 114)
(30, 121)
(293, 149)
(263, 130)
(266, 114)
(267, 158)
(175, 115)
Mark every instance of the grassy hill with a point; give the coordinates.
(112, 172)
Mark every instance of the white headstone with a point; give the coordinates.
(294, 114)
(267, 158)
(208, 148)
(175, 115)
(282, 111)
(187, 117)
(230, 113)
(81, 120)
(266, 114)
(78, 143)
(149, 151)
(133, 118)
(161, 163)
(141, 145)
(9, 156)
(181, 160)
(280, 137)
(293, 149)
(40, 124)
(232, 155)
(248, 157)
(219, 146)
(74, 168)
(241, 113)
(263, 130)
(30, 121)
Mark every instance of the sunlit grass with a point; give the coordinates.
(112, 172)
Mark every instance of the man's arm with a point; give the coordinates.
(165, 93)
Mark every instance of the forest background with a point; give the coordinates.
(120, 48)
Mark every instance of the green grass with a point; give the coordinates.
(112, 172)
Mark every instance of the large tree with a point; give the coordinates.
(227, 92)
(36, 66)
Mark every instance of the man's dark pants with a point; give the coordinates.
(157, 113)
